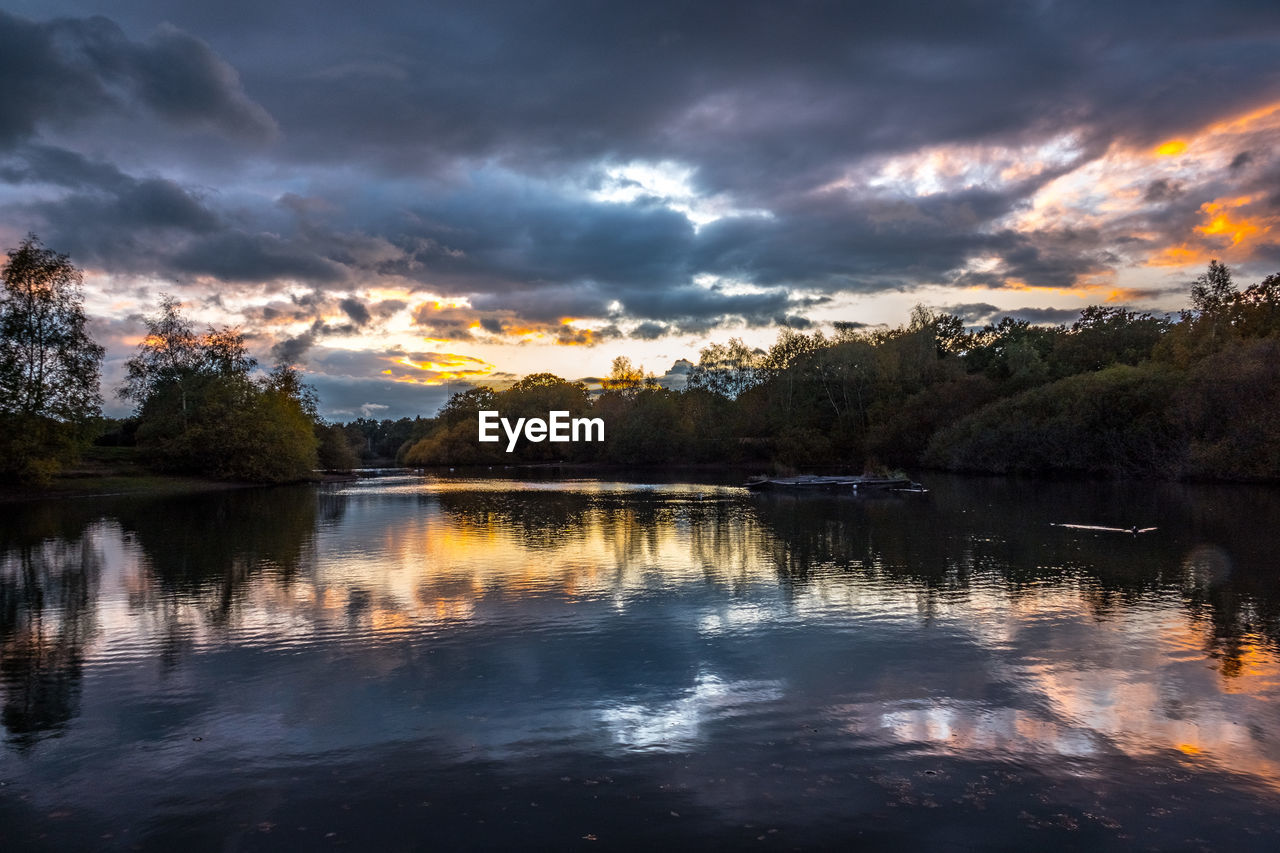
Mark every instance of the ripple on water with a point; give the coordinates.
(818, 664)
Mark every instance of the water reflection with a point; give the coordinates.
(676, 725)
(465, 623)
(46, 622)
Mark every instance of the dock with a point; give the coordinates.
(834, 484)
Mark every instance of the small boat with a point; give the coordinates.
(832, 484)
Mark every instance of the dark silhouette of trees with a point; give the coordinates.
(1116, 393)
(1213, 289)
(727, 369)
(49, 366)
(202, 410)
(624, 378)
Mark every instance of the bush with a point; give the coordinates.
(1119, 421)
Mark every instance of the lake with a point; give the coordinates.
(426, 663)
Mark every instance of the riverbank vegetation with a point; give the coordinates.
(49, 365)
(202, 406)
(202, 409)
(1115, 393)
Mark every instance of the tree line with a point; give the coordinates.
(201, 404)
(1117, 392)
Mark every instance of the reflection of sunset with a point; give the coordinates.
(412, 560)
(1120, 694)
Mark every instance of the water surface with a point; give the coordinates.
(414, 663)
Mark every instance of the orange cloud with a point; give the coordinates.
(1172, 148)
(1227, 225)
(1267, 114)
(1223, 224)
(1180, 255)
(1128, 294)
(444, 322)
(435, 368)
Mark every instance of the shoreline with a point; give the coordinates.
(80, 484)
(71, 487)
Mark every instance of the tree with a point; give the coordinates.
(202, 409)
(1213, 289)
(625, 378)
(1104, 336)
(727, 369)
(334, 452)
(169, 354)
(465, 406)
(49, 366)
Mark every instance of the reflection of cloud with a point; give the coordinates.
(1136, 684)
(677, 725)
(737, 617)
(459, 577)
(973, 727)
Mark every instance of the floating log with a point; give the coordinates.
(1134, 530)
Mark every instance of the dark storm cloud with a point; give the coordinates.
(105, 216)
(1056, 258)
(244, 256)
(103, 197)
(838, 241)
(535, 238)
(294, 350)
(1244, 158)
(356, 310)
(1162, 190)
(650, 331)
(460, 149)
(762, 97)
(44, 163)
(66, 70)
(982, 313)
(99, 226)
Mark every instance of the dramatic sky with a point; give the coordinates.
(400, 196)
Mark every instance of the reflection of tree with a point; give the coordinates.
(208, 547)
(1238, 609)
(543, 520)
(632, 523)
(46, 618)
(978, 530)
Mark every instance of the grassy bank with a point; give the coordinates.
(113, 471)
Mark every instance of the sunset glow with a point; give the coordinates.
(554, 233)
